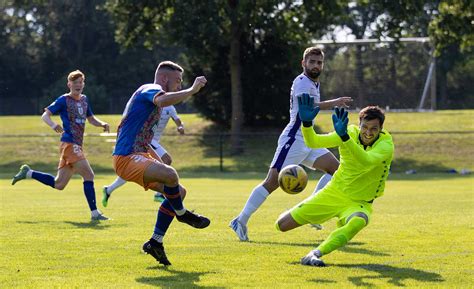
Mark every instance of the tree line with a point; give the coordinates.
(250, 51)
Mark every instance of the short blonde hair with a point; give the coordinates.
(75, 75)
(312, 51)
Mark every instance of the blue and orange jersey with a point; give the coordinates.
(135, 131)
(73, 114)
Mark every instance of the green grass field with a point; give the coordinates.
(420, 236)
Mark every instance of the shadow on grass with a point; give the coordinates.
(394, 275)
(178, 279)
(348, 248)
(309, 244)
(95, 225)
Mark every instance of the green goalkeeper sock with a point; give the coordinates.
(342, 235)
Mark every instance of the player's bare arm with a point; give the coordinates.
(170, 98)
(344, 101)
(97, 122)
(46, 117)
(179, 125)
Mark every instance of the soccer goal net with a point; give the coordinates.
(390, 74)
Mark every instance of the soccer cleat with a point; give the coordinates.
(240, 229)
(99, 217)
(105, 197)
(194, 220)
(21, 175)
(159, 198)
(317, 226)
(156, 250)
(312, 260)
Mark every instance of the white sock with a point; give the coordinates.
(95, 213)
(158, 238)
(116, 184)
(29, 174)
(256, 199)
(322, 183)
(180, 212)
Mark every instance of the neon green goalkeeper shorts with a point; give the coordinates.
(327, 204)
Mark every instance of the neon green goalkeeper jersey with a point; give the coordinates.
(363, 170)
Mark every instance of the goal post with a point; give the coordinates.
(391, 73)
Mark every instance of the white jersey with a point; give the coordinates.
(301, 84)
(291, 149)
(167, 113)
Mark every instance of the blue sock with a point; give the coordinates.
(164, 218)
(172, 195)
(44, 178)
(89, 191)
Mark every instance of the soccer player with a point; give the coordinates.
(291, 148)
(133, 162)
(74, 109)
(167, 113)
(366, 153)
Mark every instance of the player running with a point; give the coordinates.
(167, 113)
(291, 147)
(74, 109)
(366, 153)
(133, 162)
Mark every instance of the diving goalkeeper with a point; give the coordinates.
(366, 153)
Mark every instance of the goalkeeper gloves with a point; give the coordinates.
(307, 111)
(340, 121)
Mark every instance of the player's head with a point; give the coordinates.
(169, 75)
(371, 120)
(313, 62)
(76, 82)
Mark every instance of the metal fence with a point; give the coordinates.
(421, 151)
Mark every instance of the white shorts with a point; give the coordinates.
(293, 151)
(159, 150)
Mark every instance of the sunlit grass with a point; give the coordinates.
(420, 236)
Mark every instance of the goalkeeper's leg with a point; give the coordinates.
(339, 237)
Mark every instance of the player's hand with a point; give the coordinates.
(106, 127)
(180, 129)
(344, 101)
(340, 121)
(58, 128)
(199, 83)
(307, 110)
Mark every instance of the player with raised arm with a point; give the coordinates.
(167, 113)
(291, 148)
(366, 152)
(133, 162)
(73, 109)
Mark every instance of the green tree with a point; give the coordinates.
(453, 25)
(226, 40)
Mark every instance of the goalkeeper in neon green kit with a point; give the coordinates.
(365, 156)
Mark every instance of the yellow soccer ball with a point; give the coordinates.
(292, 179)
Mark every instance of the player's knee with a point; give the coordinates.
(171, 176)
(283, 222)
(59, 186)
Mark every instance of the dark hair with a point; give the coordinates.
(312, 51)
(372, 112)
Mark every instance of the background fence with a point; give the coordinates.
(423, 151)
